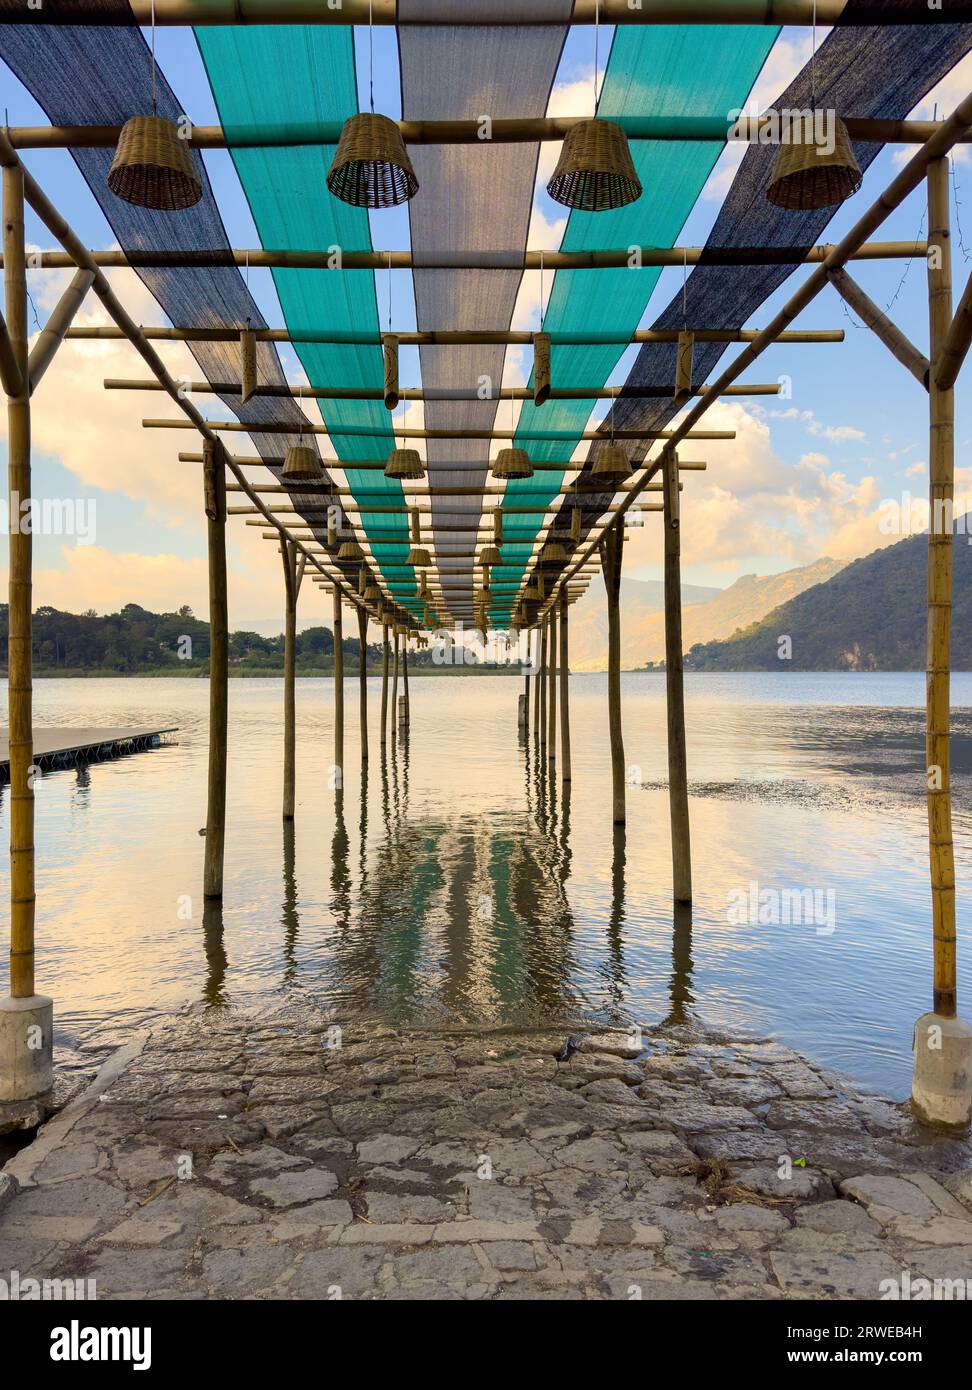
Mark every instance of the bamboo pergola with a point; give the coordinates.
(438, 543)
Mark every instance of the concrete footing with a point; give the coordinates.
(26, 1047)
(941, 1090)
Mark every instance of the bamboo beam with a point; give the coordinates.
(288, 554)
(434, 490)
(364, 509)
(215, 501)
(957, 342)
(941, 468)
(363, 680)
(607, 258)
(79, 257)
(503, 130)
(441, 393)
(19, 645)
(367, 432)
(486, 12)
(338, 692)
(450, 337)
(564, 692)
(51, 336)
(881, 326)
(677, 770)
(611, 552)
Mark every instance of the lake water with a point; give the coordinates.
(452, 883)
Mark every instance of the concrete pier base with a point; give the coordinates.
(26, 1047)
(941, 1089)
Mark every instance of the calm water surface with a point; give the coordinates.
(450, 883)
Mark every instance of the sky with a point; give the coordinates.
(805, 476)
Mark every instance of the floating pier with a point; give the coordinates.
(57, 748)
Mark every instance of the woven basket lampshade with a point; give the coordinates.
(404, 463)
(806, 176)
(418, 557)
(595, 170)
(372, 594)
(489, 555)
(371, 168)
(512, 463)
(301, 465)
(153, 168)
(611, 465)
(553, 553)
(531, 594)
(350, 550)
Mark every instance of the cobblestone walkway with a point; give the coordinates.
(229, 1157)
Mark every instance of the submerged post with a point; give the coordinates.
(677, 770)
(942, 1083)
(384, 683)
(523, 722)
(541, 719)
(407, 703)
(363, 678)
(552, 683)
(338, 692)
(611, 550)
(394, 704)
(214, 477)
(564, 693)
(26, 1018)
(288, 553)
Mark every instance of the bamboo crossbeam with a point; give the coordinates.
(906, 181)
(444, 393)
(447, 337)
(378, 509)
(338, 259)
(52, 334)
(329, 490)
(364, 432)
(881, 326)
(958, 339)
(78, 257)
(502, 130)
(490, 12)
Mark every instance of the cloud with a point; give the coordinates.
(834, 434)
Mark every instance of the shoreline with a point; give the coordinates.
(285, 1154)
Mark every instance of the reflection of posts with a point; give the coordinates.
(542, 689)
(680, 988)
(384, 683)
(394, 705)
(215, 949)
(288, 913)
(552, 689)
(677, 770)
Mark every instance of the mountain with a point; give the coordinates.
(870, 616)
(706, 613)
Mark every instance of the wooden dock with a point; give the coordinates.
(58, 748)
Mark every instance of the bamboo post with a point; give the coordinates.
(564, 692)
(405, 695)
(525, 725)
(941, 1088)
(394, 703)
(611, 551)
(384, 684)
(941, 490)
(214, 477)
(552, 689)
(677, 771)
(363, 679)
(19, 657)
(542, 688)
(52, 334)
(288, 554)
(338, 691)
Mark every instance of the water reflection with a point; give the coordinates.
(214, 951)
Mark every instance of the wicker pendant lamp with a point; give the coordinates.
(553, 553)
(371, 168)
(809, 174)
(489, 555)
(350, 550)
(512, 463)
(152, 167)
(595, 171)
(302, 465)
(417, 556)
(611, 465)
(404, 463)
(372, 594)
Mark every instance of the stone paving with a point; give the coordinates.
(225, 1156)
